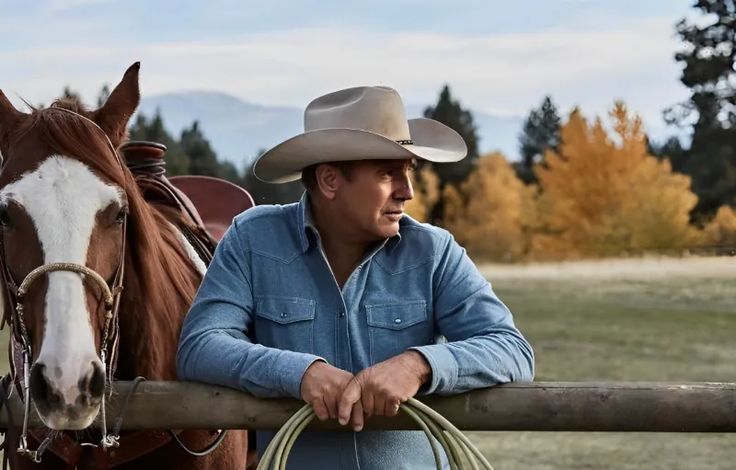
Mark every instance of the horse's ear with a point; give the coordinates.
(114, 115)
(9, 120)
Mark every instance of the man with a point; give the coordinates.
(341, 299)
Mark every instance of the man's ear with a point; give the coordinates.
(329, 179)
(114, 115)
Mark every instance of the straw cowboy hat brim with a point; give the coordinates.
(432, 141)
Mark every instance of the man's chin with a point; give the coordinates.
(389, 230)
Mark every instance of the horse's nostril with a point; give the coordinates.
(41, 390)
(97, 380)
(39, 385)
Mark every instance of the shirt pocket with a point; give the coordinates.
(285, 323)
(392, 328)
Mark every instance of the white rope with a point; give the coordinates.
(460, 452)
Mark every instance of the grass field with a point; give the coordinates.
(650, 320)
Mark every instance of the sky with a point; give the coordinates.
(501, 57)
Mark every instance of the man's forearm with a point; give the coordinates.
(221, 358)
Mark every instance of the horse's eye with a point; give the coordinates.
(120, 218)
(4, 217)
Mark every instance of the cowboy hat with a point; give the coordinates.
(362, 123)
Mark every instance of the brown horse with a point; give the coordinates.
(65, 197)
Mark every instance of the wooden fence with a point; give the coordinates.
(540, 406)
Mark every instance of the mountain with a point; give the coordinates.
(238, 129)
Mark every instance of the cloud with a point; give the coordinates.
(502, 73)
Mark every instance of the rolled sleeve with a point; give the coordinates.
(444, 368)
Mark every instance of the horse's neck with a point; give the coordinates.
(148, 335)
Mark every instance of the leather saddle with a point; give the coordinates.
(206, 204)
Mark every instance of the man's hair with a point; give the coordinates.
(309, 174)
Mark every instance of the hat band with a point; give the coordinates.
(405, 142)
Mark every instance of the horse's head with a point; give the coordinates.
(63, 200)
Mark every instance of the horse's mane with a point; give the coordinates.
(160, 281)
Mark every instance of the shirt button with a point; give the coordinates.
(283, 314)
(342, 314)
(397, 321)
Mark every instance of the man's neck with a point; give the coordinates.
(342, 250)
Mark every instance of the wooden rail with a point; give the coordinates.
(541, 406)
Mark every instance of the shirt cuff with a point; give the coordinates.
(444, 368)
(294, 366)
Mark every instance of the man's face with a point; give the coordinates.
(372, 197)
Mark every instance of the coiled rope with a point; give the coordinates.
(457, 447)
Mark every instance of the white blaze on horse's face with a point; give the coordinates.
(62, 197)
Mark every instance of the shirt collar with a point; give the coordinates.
(307, 227)
(306, 223)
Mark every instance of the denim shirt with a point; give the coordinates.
(269, 306)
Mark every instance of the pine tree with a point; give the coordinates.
(541, 132)
(153, 130)
(708, 57)
(269, 193)
(202, 159)
(449, 112)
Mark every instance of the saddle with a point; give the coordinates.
(207, 205)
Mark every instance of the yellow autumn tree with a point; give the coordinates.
(489, 213)
(721, 231)
(605, 195)
(426, 185)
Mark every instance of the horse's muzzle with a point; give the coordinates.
(72, 408)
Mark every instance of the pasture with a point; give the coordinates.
(633, 320)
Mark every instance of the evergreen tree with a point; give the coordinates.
(153, 130)
(269, 193)
(202, 159)
(541, 132)
(449, 112)
(709, 70)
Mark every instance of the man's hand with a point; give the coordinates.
(382, 388)
(322, 386)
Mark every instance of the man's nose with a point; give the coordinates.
(405, 191)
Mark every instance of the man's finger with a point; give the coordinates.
(357, 416)
(367, 401)
(318, 405)
(331, 405)
(379, 405)
(392, 408)
(350, 395)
